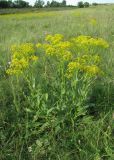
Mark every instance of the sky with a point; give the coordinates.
(74, 2)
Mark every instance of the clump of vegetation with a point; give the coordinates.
(82, 4)
(39, 4)
(15, 4)
(56, 90)
(94, 4)
(56, 4)
(24, 4)
(50, 111)
(86, 4)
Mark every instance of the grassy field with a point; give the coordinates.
(26, 10)
(56, 96)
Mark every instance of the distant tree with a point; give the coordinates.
(15, 4)
(39, 4)
(63, 4)
(10, 3)
(4, 4)
(20, 4)
(55, 4)
(94, 4)
(48, 4)
(86, 4)
(80, 4)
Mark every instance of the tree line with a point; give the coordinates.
(38, 4)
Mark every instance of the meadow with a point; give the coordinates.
(57, 84)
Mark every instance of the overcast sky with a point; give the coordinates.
(74, 2)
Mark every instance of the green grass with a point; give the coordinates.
(90, 137)
(26, 10)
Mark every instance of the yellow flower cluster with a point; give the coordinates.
(22, 56)
(54, 39)
(87, 64)
(63, 51)
(89, 59)
(93, 70)
(55, 46)
(29, 15)
(89, 42)
(26, 49)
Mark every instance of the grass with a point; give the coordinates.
(41, 129)
(26, 10)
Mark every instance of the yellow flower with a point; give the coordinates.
(72, 67)
(86, 64)
(22, 50)
(17, 66)
(56, 47)
(66, 56)
(64, 45)
(89, 42)
(54, 39)
(38, 45)
(34, 58)
(93, 21)
(92, 70)
(50, 50)
(22, 57)
(101, 42)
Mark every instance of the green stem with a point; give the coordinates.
(14, 96)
